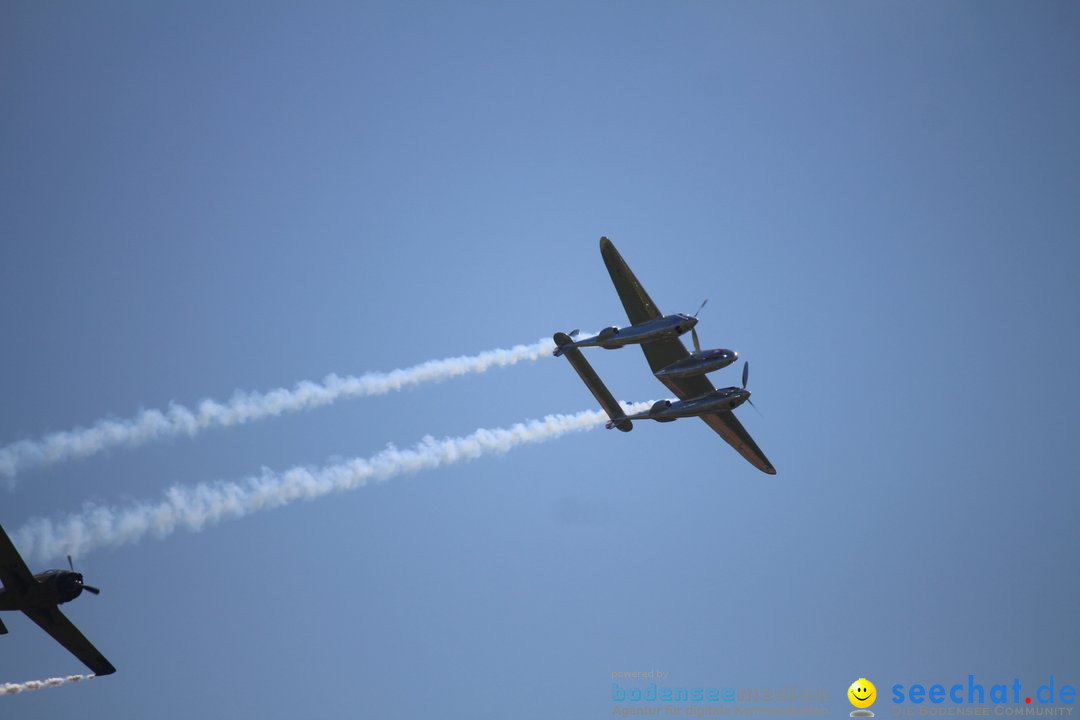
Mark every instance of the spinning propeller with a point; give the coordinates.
(693, 330)
(87, 588)
(745, 377)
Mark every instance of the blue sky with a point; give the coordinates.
(878, 199)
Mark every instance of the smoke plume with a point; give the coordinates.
(30, 686)
(194, 507)
(245, 407)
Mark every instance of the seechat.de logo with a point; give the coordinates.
(1005, 696)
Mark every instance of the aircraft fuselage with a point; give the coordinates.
(699, 362)
(52, 587)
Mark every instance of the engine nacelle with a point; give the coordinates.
(659, 407)
(606, 334)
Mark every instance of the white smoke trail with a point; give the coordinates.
(30, 686)
(245, 407)
(195, 507)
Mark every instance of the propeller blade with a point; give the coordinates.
(71, 564)
(745, 373)
(573, 333)
(702, 305)
(91, 589)
(697, 345)
(755, 407)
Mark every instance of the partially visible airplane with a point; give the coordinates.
(682, 372)
(39, 597)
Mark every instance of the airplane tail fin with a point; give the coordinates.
(561, 340)
(593, 382)
(621, 423)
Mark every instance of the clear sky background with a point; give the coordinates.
(880, 201)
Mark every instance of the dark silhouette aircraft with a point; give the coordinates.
(682, 372)
(39, 596)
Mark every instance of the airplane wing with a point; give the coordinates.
(54, 622)
(593, 382)
(639, 306)
(661, 353)
(728, 427)
(14, 574)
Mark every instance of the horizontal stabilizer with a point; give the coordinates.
(561, 341)
(593, 382)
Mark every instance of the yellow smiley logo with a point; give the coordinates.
(862, 693)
